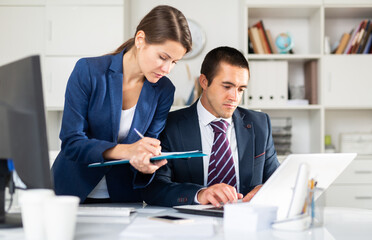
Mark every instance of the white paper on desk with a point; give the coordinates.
(177, 153)
(151, 210)
(143, 227)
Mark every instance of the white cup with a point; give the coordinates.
(32, 205)
(60, 217)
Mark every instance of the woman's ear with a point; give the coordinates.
(139, 39)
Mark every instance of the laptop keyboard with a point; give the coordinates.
(105, 211)
(216, 208)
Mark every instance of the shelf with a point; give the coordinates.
(284, 107)
(303, 23)
(288, 57)
(343, 19)
(347, 3)
(356, 108)
(288, 12)
(347, 12)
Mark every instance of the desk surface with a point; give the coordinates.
(339, 223)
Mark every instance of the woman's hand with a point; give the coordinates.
(142, 163)
(139, 154)
(145, 145)
(142, 151)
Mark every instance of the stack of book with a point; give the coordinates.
(282, 134)
(357, 41)
(260, 40)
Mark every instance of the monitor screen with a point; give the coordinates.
(23, 136)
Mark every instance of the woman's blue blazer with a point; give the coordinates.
(90, 126)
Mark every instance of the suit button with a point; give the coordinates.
(182, 200)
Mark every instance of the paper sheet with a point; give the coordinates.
(143, 227)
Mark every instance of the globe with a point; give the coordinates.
(284, 42)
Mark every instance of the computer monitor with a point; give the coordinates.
(23, 137)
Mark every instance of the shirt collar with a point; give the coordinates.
(205, 117)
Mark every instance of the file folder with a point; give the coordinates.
(164, 155)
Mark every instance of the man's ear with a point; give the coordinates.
(203, 81)
(139, 39)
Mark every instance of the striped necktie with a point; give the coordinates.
(221, 163)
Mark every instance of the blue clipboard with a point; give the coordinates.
(156, 158)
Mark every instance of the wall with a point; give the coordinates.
(219, 31)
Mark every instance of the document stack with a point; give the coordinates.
(282, 134)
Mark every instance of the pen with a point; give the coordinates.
(138, 133)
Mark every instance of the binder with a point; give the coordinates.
(268, 84)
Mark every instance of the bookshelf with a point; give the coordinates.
(309, 24)
(344, 81)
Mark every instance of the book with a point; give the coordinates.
(271, 42)
(365, 37)
(343, 42)
(256, 40)
(368, 45)
(250, 45)
(263, 41)
(263, 36)
(252, 40)
(164, 155)
(352, 39)
(311, 81)
(360, 36)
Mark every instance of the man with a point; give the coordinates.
(241, 153)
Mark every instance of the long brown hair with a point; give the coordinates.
(162, 23)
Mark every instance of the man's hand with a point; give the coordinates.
(251, 194)
(218, 193)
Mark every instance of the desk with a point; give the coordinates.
(339, 223)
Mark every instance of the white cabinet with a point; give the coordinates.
(344, 82)
(354, 186)
(56, 73)
(347, 81)
(359, 196)
(84, 30)
(303, 21)
(60, 32)
(22, 32)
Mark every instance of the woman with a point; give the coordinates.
(107, 98)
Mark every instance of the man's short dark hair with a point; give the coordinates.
(212, 60)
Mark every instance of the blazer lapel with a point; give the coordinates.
(191, 140)
(145, 110)
(115, 86)
(146, 104)
(244, 137)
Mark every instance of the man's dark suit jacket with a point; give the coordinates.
(178, 182)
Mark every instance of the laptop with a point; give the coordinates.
(278, 189)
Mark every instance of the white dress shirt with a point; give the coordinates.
(126, 119)
(207, 137)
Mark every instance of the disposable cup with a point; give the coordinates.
(32, 208)
(60, 217)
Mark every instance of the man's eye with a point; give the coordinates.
(162, 58)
